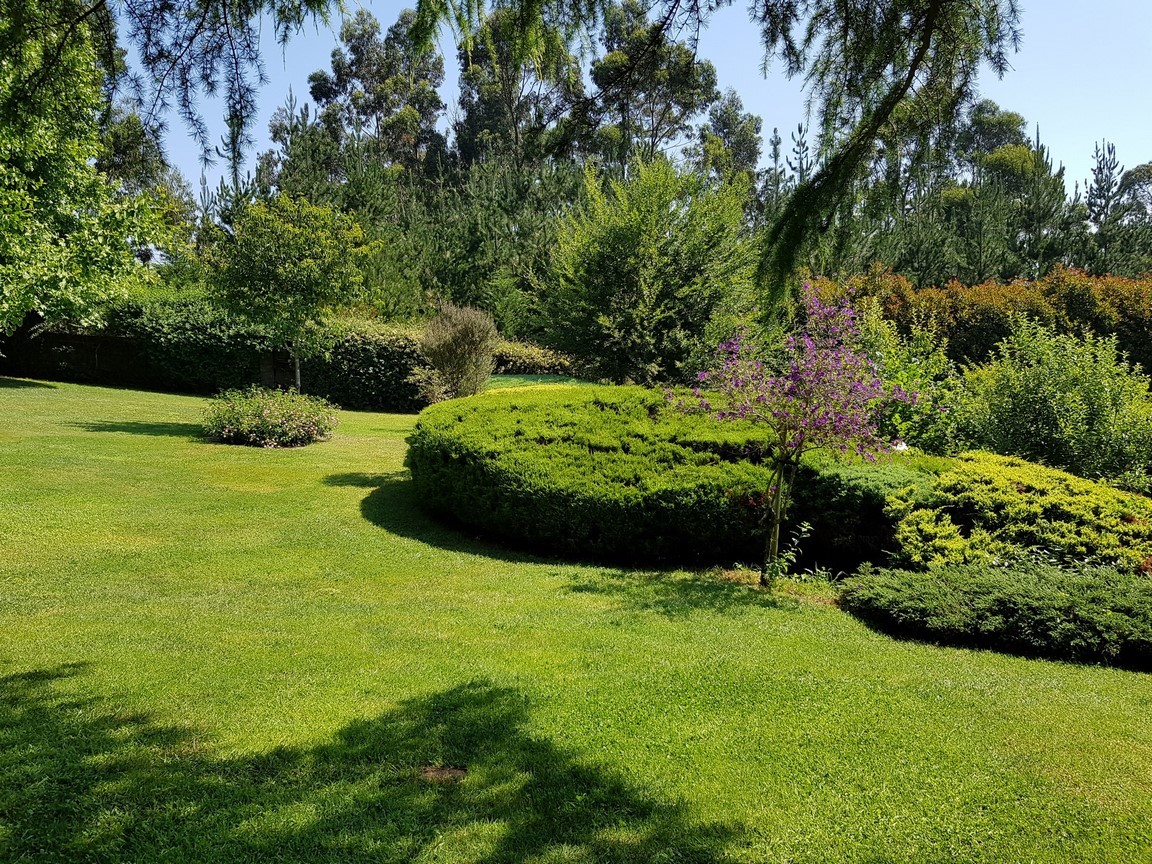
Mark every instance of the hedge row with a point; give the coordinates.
(1087, 615)
(617, 474)
(974, 318)
(184, 343)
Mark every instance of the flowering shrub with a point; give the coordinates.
(257, 417)
(825, 398)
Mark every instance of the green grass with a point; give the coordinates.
(213, 653)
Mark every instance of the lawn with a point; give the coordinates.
(213, 653)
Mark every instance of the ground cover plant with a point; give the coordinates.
(1032, 607)
(212, 653)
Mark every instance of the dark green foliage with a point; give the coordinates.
(257, 417)
(616, 473)
(368, 368)
(606, 473)
(994, 508)
(1088, 615)
(187, 343)
(640, 270)
(846, 506)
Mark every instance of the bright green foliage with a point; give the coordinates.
(288, 265)
(67, 237)
(1069, 401)
(1088, 615)
(602, 473)
(257, 417)
(617, 473)
(524, 358)
(918, 364)
(639, 270)
(995, 508)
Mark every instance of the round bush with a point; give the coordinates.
(609, 473)
(257, 417)
(1090, 614)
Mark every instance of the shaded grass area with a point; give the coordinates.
(501, 382)
(216, 653)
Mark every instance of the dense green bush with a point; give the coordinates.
(369, 367)
(258, 417)
(1070, 401)
(846, 506)
(617, 473)
(524, 358)
(640, 269)
(1092, 614)
(990, 508)
(186, 342)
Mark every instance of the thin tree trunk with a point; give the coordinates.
(296, 364)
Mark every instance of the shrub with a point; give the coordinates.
(990, 508)
(1071, 402)
(524, 358)
(1088, 615)
(368, 368)
(257, 417)
(460, 344)
(640, 269)
(612, 473)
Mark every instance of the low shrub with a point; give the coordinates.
(524, 358)
(258, 417)
(460, 345)
(616, 473)
(984, 507)
(1087, 615)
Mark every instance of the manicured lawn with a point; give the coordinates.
(221, 654)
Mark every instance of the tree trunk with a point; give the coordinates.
(296, 365)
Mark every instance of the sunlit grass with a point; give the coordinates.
(219, 653)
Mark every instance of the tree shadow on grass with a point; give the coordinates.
(676, 594)
(393, 505)
(140, 427)
(456, 775)
(24, 384)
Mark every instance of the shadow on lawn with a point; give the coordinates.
(23, 384)
(140, 427)
(392, 505)
(83, 781)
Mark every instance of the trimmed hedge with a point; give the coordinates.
(617, 474)
(1088, 615)
(183, 342)
(988, 508)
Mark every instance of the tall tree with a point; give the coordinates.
(652, 86)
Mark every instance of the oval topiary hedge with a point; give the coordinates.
(608, 473)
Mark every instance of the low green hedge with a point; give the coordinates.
(615, 473)
(1089, 615)
(180, 341)
(988, 508)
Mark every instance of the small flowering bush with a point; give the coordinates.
(826, 397)
(258, 417)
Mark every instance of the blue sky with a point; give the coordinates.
(1084, 73)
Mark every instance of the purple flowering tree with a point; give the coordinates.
(825, 398)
